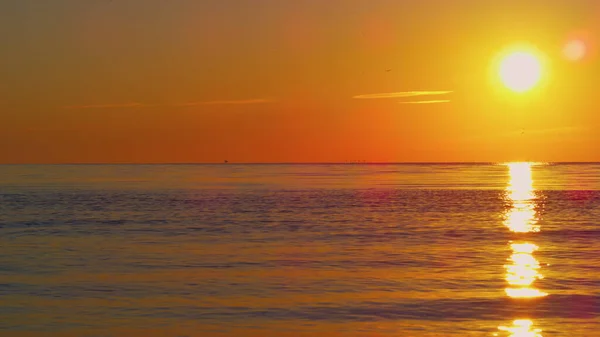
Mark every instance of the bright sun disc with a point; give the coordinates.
(520, 71)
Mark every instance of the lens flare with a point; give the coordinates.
(580, 45)
(575, 50)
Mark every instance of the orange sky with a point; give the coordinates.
(277, 81)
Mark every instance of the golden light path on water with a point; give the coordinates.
(521, 218)
(521, 328)
(523, 268)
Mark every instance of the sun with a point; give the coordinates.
(520, 71)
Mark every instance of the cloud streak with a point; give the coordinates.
(187, 104)
(107, 106)
(402, 94)
(227, 102)
(427, 102)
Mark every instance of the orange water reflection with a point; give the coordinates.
(522, 269)
(521, 328)
(521, 218)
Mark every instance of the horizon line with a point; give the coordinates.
(310, 163)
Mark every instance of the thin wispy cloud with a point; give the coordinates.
(402, 94)
(228, 102)
(107, 106)
(427, 102)
(186, 104)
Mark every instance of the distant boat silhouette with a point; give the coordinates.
(226, 161)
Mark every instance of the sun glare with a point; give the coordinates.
(520, 71)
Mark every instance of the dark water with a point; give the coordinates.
(300, 250)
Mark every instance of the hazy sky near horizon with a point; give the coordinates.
(293, 81)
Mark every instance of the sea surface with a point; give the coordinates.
(300, 250)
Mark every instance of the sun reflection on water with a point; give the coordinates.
(521, 328)
(521, 218)
(523, 269)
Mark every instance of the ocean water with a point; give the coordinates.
(300, 250)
